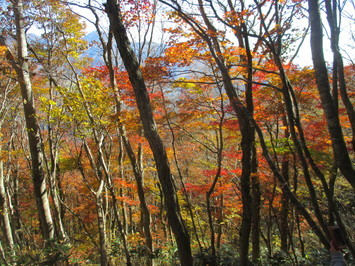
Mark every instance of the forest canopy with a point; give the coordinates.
(178, 132)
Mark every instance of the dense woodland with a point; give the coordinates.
(201, 136)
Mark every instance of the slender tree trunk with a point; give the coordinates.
(176, 160)
(246, 197)
(120, 158)
(300, 237)
(255, 180)
(292, 112)
(21, 67)
(4, 209)
(220, 146)
(114, 202)
(256, 194)
(138, 174)
(53, 171)
(338, 65)
(219, 221)
(16, 222)
(247, 131)
(57, 209)
(2, 254)
(341, 153)
(284, 201)
(119, 223)
(145, 214)
(284, 210)
(136, 164)
(101, 218)
(150, 132)
(244, 116)
(102, 229)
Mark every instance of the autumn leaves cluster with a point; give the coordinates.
(200, 139)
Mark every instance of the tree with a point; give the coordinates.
(150, 132)
(136, 160)
(272, 31)
(229, 143)
(21, 66)
(8, 103)
(341, 154)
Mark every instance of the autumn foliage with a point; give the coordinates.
(248, 138)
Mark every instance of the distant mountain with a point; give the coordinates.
(92, 36)
(94, 50)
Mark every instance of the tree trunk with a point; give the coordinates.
(284, 201)
(256, 194)
(178, 168)
(255, 180)
(102, 228)
(16, 219)
(57, 214)
(114, 201)
(150, 132)
(121, 191)
(338, 65)
(219, 151)
(53, 171)
(219, 221)
(4, 209)
(138, 174)
(247, 131)
(101, 218)
(246, 195)
(21, 67)
(341, 153)
(136, 164)
(2, 254)
(284, 210)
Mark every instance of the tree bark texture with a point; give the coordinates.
(35, 144)
(338, 65)
(150, 131)
(138, 175)
(4, 209)
(57, 208)
(101, 220)
(256, 225)
(284, 210)
(341, 154)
